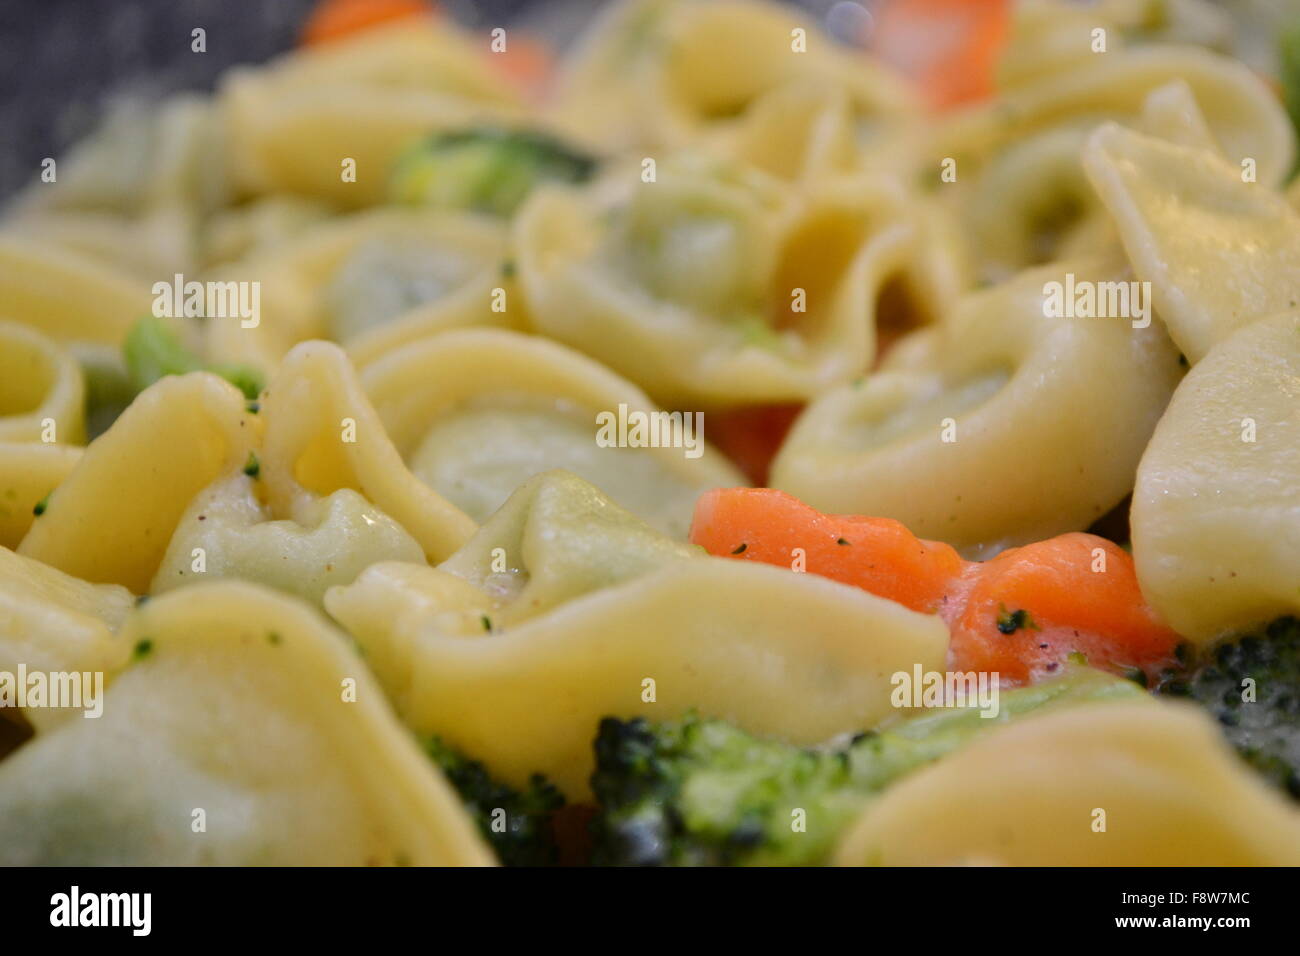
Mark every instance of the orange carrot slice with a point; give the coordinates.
(876, 554)
(950, 47)
(332, 20)
(1021, 614)
(1030, 608)
(526, 62)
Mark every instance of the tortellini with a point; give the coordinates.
(42, 393)
(1014, 164)
(980, 442)
(1052, 36)
(476, 413)
(1116, 784)
(29, 471)
(620, 623)
(371, 282)
(110, 520)
(429, 500)
(66, 294)
(297, 123)
(331, 541)
(1216, 510)
(245, 731)
(134, 194)
(1218, 250)
(710, 285)
(661, 73)
(54, 623)
(328, 480)
(323, 434)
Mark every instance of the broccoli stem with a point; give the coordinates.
(701, 792)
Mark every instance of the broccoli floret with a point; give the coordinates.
(517, 823)
(486, 169)
(698, 791)
(1251, 685)
(153, 349)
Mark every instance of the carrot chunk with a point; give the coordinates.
(876, 554)
(1021, 614)
(332, 20)
(950, 47)
(1030, 608)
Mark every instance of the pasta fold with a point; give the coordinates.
(1015, 162)
(1188, 220)
(323, 434)
(975, 437)
(1115, 784)
(246, 731)
(664, 73)
(711, 285)
(54, 623)
(135, 193)
(1216, 527)
(476, 413)
(372, 281)
(29, 471)
(329, 541)
(294, 122)
(42, 394)
(110, 520)
(635, 627)
(65, 294)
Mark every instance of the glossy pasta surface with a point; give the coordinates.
(724, 427)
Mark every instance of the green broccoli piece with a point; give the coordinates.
(153, 349)
(1251, 685)
(109, 390)
(485, 169)
(700, 792)
(516, 823)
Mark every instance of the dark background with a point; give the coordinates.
(59, 59)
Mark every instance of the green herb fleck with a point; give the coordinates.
(42, 505)
(143, 648)
(1011, 621)
(841, 540)
(252, 467)
(487, 623)
(741, 549)
(273, 637)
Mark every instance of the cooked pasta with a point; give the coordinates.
(781, 446)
